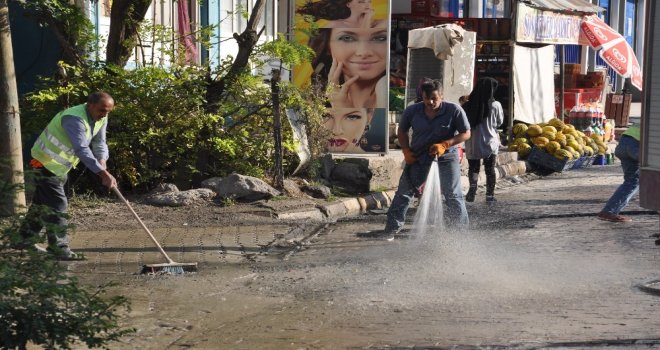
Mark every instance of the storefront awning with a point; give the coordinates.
(564, 5)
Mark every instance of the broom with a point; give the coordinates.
(170, 267)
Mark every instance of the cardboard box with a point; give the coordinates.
(597, 76)
(572, 68)
(617, 107)
(592, 80)
(570, 81)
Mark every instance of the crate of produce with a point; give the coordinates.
(548, 161)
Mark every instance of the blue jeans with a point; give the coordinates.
(450, 182)
(628, 152)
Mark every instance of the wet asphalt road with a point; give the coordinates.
(536, 271)
(542, 287)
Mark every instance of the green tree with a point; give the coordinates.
(126, 17)
(180, 123)
(246, 41)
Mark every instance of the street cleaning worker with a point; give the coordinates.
(73, 135)
(484, 115)
(628, 152)
(438, 126)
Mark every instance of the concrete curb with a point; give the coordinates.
(312, 214)
(375, 200)
(341, 208)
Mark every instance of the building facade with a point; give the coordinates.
(186, 18)
(626, 16)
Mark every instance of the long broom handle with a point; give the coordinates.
(162, 251)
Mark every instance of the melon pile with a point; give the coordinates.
(555, 137)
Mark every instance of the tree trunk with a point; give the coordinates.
(277, 129)
(125, 19)
(246, 43)
(10, 121)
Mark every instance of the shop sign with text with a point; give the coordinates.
(538, 26)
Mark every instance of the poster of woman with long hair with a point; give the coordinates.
(350, 39)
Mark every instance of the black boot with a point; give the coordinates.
(472, 192)
(490, 188)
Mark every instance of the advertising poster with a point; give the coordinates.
(350, 39)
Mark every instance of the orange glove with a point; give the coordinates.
(439, 148)
(409, 156)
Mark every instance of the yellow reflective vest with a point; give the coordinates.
(53, 147)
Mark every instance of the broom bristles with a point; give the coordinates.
(169, 269)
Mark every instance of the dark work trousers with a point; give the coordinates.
(49, 207)
(489, 165)
(489, 168)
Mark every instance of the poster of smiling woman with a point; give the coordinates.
(351, 42)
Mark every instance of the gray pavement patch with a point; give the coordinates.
(255, 249)
(522, 221)
(611, 344)
(308, 236)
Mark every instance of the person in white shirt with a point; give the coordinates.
(484, 115)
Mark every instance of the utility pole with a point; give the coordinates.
(11, 153)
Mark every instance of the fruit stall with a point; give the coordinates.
(533, 51)
(559, 146)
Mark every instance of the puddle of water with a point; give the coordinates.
(123, 251)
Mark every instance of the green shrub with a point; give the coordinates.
(397, 96)
(40, 303)
(160, 130)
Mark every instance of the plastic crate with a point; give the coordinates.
(588, 162)
(600, 159)
(583, 162)
(547, 161)
(578, 163)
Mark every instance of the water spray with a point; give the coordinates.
(429, 216)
